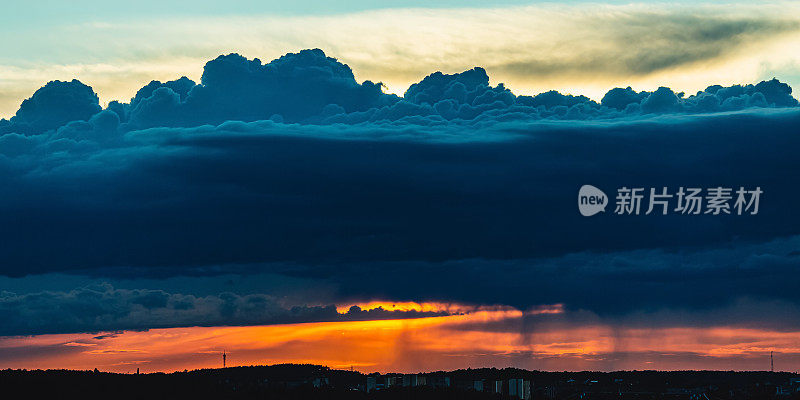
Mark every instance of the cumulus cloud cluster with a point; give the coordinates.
(457, 190)
(311, 88)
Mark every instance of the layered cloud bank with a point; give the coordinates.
(104, 308)
(310, 88)
(457, 191)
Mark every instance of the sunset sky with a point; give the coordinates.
(574, 46)
(291, 209)
(488, 337)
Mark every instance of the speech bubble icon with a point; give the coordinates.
(591, 200)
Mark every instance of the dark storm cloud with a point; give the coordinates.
(458, 191)
(749, 284)
(55, 105)
(311, 88)
(104, 308)
(373, 209)
(269, 192)
(294, 87)
(646, 43)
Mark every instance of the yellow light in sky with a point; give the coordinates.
(499, 337)
(574, 48)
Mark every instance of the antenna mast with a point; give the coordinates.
(223, 358)
(771, 363)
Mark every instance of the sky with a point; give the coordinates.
(576, 47)
(392, 185)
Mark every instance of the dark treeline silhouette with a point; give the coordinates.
(290, 381)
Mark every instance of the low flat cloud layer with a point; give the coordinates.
(459, 190)
(103, 308)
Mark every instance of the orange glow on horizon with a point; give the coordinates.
(449, 308)
(407, 306)
(479, 338)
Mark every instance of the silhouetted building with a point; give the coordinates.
(309, 381)
(320, 381)
(413, 380)
(439, 381)
(519, 389)
(497, 387)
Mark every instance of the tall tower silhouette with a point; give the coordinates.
(771, 363)
(224, 356)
